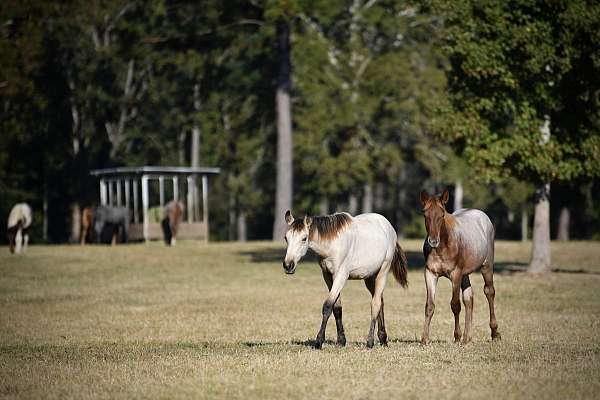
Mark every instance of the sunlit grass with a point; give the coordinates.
(222, 320)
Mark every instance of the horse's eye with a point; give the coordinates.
(304, 239)
(285, 238)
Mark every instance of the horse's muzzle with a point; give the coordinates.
(433, 242)
(289, 268)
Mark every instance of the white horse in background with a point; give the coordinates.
(361, 247)
(19, 221)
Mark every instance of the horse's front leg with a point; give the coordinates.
(431, 283)
(337, 309)
(467, 295)
(339, 280)
(456, 278)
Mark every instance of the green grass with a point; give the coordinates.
(223, 320)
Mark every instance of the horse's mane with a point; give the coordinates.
(328, 226)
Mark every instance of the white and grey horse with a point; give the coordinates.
(19, 221)
(362, 247)
(115, 217)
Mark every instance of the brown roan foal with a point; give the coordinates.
(456, 245)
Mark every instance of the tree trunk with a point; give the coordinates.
(379, 198)
(563, 224)
(181, 148)
(524, 223)
(458, 194)
(284, 189)
(324, 206)
(241, 226)
(401, 203)
(540, 251)
(367, 201)
(352, 204)
(75, 223)
(195, 156)
(231, 234)
(45, 216)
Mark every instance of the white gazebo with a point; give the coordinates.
(119, 187)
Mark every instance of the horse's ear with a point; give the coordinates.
(445, 196)
(307, 221)
(424, 198)
(288, 217)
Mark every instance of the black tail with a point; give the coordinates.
(399, 266)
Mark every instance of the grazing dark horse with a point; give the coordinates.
(115, 217)
(170, 223)
(19, 221)
(362, 247)
(456, 245)
(87, 223)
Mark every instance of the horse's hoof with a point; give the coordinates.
(425, 341)
(341, 341)
(384, 343)
(496, 336)
(465, 341)
(370, 343)
(319, 343)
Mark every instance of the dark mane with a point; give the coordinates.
(328, 227)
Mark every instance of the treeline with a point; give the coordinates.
(385, 97)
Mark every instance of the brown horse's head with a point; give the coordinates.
(434, 209)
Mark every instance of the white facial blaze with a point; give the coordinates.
(297, 246)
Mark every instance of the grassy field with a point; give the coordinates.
(222, 320)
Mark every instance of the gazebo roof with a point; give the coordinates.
(154, 170)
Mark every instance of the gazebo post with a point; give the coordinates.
(119, 197)
(161, 189)
(102, 192)
(205, 206)
(175, 188)
(135, 201)
(110, 192)
(145, 201)
(190, 200)
(127, 193)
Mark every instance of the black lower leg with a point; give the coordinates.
(327, 308)
(341, 337)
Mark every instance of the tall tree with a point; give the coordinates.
(524, 94)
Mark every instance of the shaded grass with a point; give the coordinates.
(222, 320)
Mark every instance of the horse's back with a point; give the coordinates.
(112, 214)
(476, 232)
(19, 212)
(376, 222)
(375, 239)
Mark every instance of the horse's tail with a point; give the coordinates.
(399, 266)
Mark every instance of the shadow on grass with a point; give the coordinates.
(415, 261)
(276, 255)
(311, 343)
(510, 268)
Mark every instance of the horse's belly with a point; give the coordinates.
(361, 273)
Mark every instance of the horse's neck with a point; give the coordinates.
(449, 233)
(322, 247)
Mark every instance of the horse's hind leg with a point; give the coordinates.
(490, 292)
(337, 310)
(467, 295)
(381, 332)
